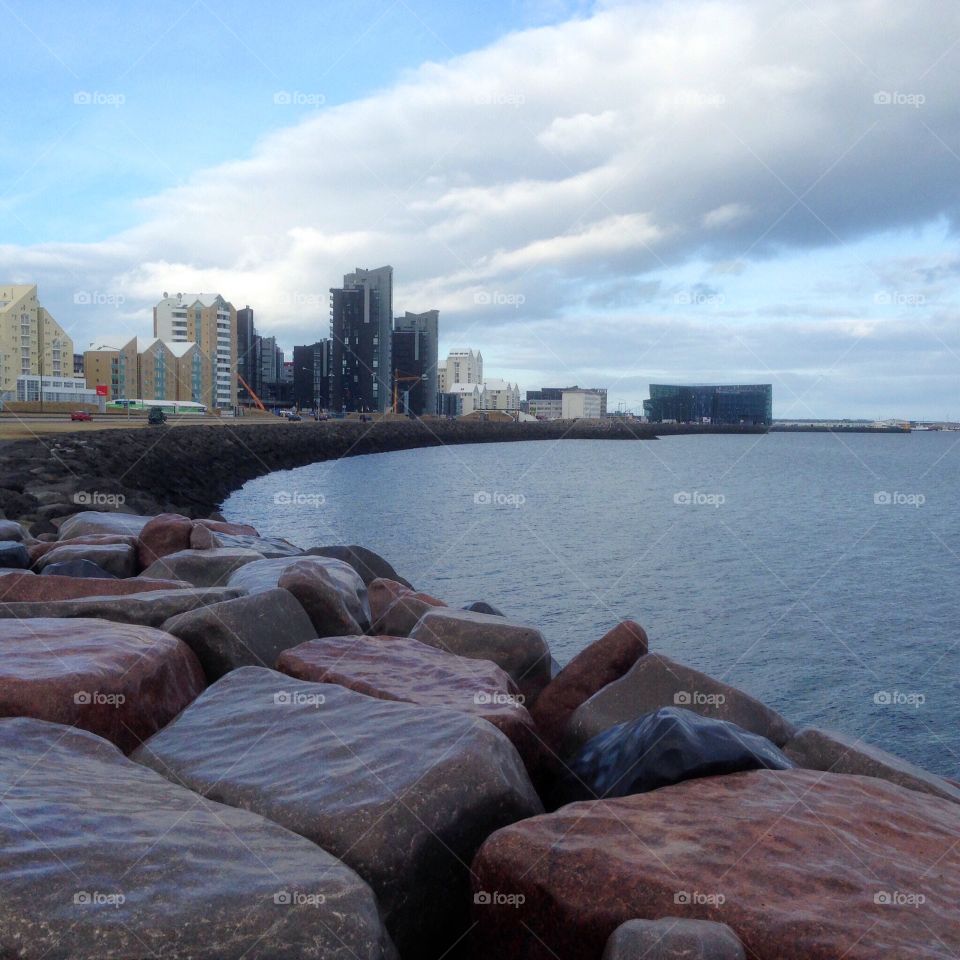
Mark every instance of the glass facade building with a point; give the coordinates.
(717, 403)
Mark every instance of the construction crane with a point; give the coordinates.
(257, 401)
(397, 378)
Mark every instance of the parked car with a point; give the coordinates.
(294, 417)
(81, 415)
(156, 415)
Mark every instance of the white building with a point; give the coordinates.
(462, 366)
(580, 404)
(500, 395)
(465, 398)
(55, 390)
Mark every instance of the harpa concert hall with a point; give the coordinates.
(702, 403)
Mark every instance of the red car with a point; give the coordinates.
(81, 415)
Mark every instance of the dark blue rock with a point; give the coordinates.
(481, 606)
(76, 568)
(14, 555)
(660, 748)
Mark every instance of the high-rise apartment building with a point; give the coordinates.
(462, 366)
(311, 375)
(415, 337)
(248, 355)
(210, 322)
(32, 343)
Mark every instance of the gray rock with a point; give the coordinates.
(77, 568)
(11, 530)
(403, 794)
(673, 938)
(14, 555)
(151, 609)
(656, 681)
(202, 568)
(401, 616)
(518, 649)
(827, 750)
(481, 606)
(202, 538)
(116, 558)
(371, 566)
(248, 631)
(95, 521)
(104, 859)
(4, 570)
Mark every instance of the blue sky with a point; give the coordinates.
(608, 193)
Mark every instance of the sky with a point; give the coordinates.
(609, 194)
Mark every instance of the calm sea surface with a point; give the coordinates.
(819, 573)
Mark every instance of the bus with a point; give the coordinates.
(169, 407)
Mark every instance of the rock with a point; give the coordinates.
(518, 649)
(369, 565)
(401, 616)
(202, 568)
(165, 533)
(119, 681)
(659, 749)
(11, 530)
(481, 606)
(149, 609)
(403, 794)
(381, 593)
(103, 858)
(84, 569)
(397, 668)
(41, 549)
(248, 631)
(95, 521)
(5, 570)
(673, 938)
(223, 526)
(602, 662)
(800, 864)
(118, 559)
(203, 538)
(656, 681)
(826, 750)
(17, 587)
(14, 555)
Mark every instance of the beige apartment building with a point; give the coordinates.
(32, 343)
(149, 369)
(210, 322)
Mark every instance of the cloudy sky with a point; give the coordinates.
(607, 193)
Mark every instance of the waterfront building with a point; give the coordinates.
(78, 365)
(463, 365)
(461, 399)
(209, 321)
(147, 368)
(311, 375)
(415, 343)
(32, 343)
(580, 404)
(500, 395)
(248, 355)
(710, 403)
(547, 402)
(69, 390)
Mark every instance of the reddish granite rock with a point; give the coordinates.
(604, 661)
(120, 681)
(801, 865)
(399, 619)
(204, 538)
(116, 558)
(41, 549)
(382, 593)
(397, 668)
(165, 533)
(17, 587)
(98, 521)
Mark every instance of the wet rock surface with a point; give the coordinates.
(14, 555)
(673, 938)
(104, 859)
(15, 587)
(89, 522)
(202, 568)
(118, 559)
(402, 793)
(77, 568)
(371, 566)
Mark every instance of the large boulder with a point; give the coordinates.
(673, 938)
(248, 631)
(397, 668)
(403, 794)
(18, 587)
(518, 649)
(85, 569)
(117, 558)
(602, 662)
(150, 609)
(165, 533)
(661, 748)
(202, 537)
(656, 681)
(800, 864)
(95, 521)
(399, 619)
(371, 566)
(42, 548)
(202, 568)
(14, 555)
(828, 750)
(119, 681)
(11, 530)
(103, 858)
(382, 593)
